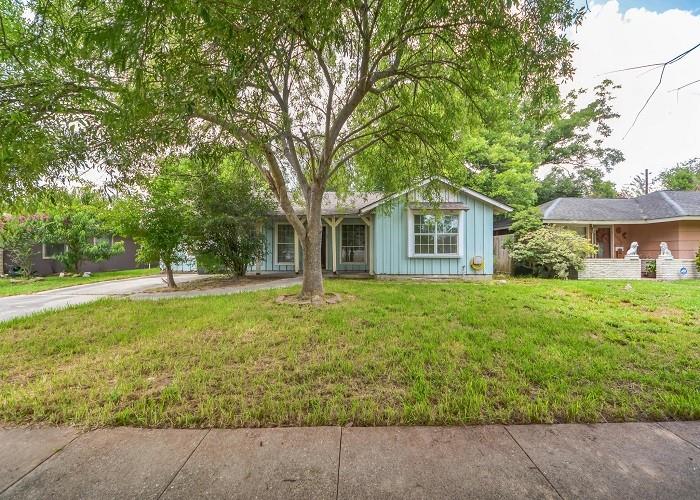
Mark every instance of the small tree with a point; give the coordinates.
(547, 251)
(19, 235)
(685, 176)
(81, 223)
(229, 200)
(158, 220)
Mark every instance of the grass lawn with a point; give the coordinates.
(393, 353)
(51, 282)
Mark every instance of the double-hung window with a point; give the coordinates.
(103, 240)
(436, 234)
(284, 246)
(352, 244)
(49, 251)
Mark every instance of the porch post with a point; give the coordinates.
(258, 263)
(370, 243)
(296, 252)
(612, 241)
(333, 245)
(334, 222)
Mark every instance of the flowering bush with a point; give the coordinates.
(547, 251)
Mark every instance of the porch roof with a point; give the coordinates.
(653, 207)
(335, 204)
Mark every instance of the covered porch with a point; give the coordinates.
(347, 246)
(614, 239)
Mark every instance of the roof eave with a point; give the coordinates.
(621, 221)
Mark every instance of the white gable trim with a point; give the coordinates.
(469, 192)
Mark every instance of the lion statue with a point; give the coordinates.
(632, 252)
(665, 252)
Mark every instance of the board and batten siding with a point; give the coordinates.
(391, 237)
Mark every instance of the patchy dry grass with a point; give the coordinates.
(20, 287)
(216, 281)
(398, 353)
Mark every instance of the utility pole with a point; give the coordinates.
(646, 181)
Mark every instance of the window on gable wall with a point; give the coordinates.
(435, 235)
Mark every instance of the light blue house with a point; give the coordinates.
(433, 229)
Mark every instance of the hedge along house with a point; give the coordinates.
(434, 229)
(613, 225)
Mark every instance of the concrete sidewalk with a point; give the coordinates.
(631, 460)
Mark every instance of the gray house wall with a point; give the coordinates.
(44, 267)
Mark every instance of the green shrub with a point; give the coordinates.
(547, 251)
(230, 202)
(651, 267)
(19, 235)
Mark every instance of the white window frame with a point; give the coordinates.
(277, 242)
(342, 261)
(50, 257)
(461, 214)
(96, 238)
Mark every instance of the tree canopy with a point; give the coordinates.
(81, 222)
(518, 139)
(685, 176)
(301, 88)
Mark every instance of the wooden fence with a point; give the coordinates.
(502, 263)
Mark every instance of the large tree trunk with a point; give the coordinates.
(169, 275)
(312, 285)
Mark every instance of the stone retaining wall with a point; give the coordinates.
(670, 269)
(611, 269)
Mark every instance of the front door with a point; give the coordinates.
(602, 239)
(323, 248)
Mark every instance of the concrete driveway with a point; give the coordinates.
(23, 305)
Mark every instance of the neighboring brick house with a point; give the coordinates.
(613, 224)
(44, 262)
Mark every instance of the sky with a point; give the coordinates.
(619, 34)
